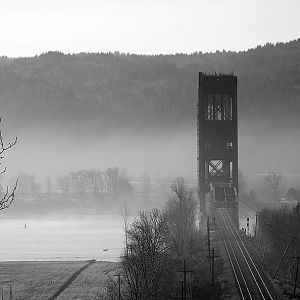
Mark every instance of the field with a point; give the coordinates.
(40, 280)
(89, 283)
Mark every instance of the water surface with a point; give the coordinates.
(100, 238)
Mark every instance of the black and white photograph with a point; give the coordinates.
(149, 150)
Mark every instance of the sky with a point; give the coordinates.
(30, 27)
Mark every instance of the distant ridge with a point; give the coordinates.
(100, 92)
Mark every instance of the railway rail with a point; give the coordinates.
(251, 280)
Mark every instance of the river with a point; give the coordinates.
(100, 238)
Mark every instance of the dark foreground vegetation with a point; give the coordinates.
(278, 237)
(277, 233)
(158, 244)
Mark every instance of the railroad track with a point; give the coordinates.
(251, 280)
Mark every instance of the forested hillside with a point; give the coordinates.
(100, 92)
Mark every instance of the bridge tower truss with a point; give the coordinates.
(217, 141)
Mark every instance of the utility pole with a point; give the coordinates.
(184, 292)
(119, 286)
(212, 257)
(10, 293)
(296, 275)
(208, 237)
(184, 279)
(208, 241)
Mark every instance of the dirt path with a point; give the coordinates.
(70, 280)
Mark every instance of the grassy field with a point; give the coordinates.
(89, 283)
(40, 280)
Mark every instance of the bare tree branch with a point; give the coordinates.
(8, 197)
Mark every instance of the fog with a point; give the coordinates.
(262, 151)
(169, 153)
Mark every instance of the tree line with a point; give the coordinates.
(110, 181)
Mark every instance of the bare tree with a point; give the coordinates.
(146, 265)
(23, 183)
(49, 185)
(95, 180)
(116, 181)
(8, 196)
(82, 181)
(64, 184)
(34, 185)
(181, 216)
(272, 185)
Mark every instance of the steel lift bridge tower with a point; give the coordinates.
(217, 144)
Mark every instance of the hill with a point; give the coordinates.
(138, 112)
(105, 91)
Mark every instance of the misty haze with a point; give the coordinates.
(149, 151)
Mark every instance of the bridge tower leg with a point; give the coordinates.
(217, 143)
